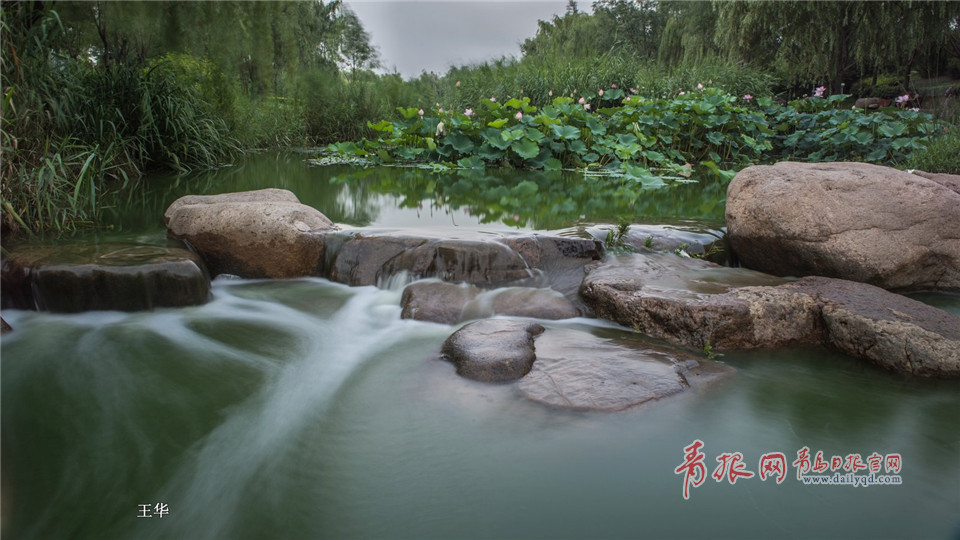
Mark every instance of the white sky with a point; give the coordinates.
(416, 36)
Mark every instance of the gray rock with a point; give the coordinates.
(890, 330)
(449, 303)
(708, 244)
(693, 303)
(108, 276)
(852, 221)
(949, 181)
(4, 326)
(254, 234)
(576, 370)
(436, 301)
(560, 260)
(682, 300)
(476, 262)
(361, 259)
(492, 350)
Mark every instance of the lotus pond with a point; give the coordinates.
(308, 409)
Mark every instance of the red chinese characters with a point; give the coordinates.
(773, 463)
(893, 463)
(732, 466)
(693, 469)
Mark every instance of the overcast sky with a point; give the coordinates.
(415, 36)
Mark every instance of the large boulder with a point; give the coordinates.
(254, 234)
(580, 371)
(701, 305)
(492, 350)
(853, 221)
(107, 276)
(450, 303)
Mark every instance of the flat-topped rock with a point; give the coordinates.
(106, 276)
(361, 259)
(577, 370)
(265, 233)
(492, 350)
(693, 303)
(851, 221)
(450, 303)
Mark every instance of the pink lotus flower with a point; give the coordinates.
(493, 99)
(586, 107)
(550, 93)
(468, 112)
(582, 101)
(614, 85)
(420, 112)
(747, 97)
(519, 115)
(440, 111)
(628, 98)
(699, 86)
(633, 90)
(682, 93)
(903, 99)
(601, 92)
(819, 91)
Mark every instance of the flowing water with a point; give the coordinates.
(307, 409)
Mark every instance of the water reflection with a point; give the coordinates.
(392, 197)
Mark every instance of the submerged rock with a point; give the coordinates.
(265, 233)
(851, 221)
(697, 304)
(360, 260)
(476, 262)
(110, 276)
(577, 370)
(559, 259)
(449, 303)
(708, 244)
(492, 350)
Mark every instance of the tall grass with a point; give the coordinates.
(72, 131)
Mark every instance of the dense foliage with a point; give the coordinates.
(630, 135)
(96, 93)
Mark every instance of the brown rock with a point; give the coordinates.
(361, 259)
(864, 321)
(436, 301)
(847, 220)
(107, 276)
(577, 370)
(449, 303)
(255, 234)
(479, 263)
(492, 350)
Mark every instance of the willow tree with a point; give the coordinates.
(827, 42)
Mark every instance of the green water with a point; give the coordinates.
(307, 409)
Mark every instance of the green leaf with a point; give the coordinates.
(525, 148)
(565, 132)
(460, 142)
(498, 123)
(472, 162)
(552, 164)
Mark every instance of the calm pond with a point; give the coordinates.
(308, 409)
